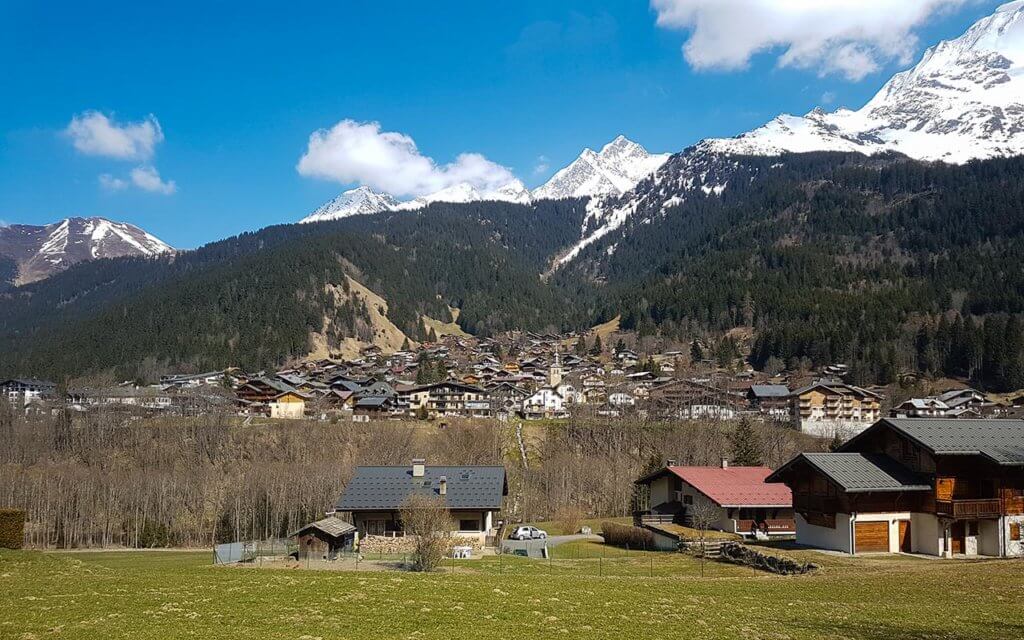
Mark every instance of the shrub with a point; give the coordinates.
(570, 519)
(12, 528)
(624, 536)
(426, 519)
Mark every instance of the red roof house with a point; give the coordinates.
(741, 501)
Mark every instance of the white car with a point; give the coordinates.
(528, 533)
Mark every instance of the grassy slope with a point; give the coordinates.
(172, 595)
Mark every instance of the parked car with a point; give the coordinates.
(528, 533)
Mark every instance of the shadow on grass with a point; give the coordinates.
(901, 630)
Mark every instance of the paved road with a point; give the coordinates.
(534, 548)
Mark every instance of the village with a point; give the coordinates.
(527, 376)
(938, 475)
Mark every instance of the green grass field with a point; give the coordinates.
(171, 595)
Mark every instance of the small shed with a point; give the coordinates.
(324, 538)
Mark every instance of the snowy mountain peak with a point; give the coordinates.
(614, 170)
(358, 201)
(963, 100)
(41, 251)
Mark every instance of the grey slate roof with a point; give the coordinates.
(1002, 441)
(387, 488)
(859, 472)
(769, 390)
(334, 527)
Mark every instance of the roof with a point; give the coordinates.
(861, 472)
(334, 527)
(999, 440)
(769, 390)
(732, 486)
(837, 387)
(387, 488)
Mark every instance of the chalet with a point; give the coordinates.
(288, 405)
(828, 408)
(379, 407)
(450, 398)
(940, 487)
(771, 400)
(693, 399)
(473, 494)
(545, 402)
(738, 497)
(506, 398)
(957, 403)
(22, 391)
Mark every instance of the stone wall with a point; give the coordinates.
(737, 553)
(401, 545)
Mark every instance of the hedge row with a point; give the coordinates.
(625, 536)
(12, 528)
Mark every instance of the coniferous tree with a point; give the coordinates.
(746, 446)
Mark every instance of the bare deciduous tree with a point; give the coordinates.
(429, 522)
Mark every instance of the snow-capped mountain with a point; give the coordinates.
(354, 202)
(364, 200)
(41, 251)
(514, 191)
(612, 171)
(963, 100)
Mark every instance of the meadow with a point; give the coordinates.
(171, 594)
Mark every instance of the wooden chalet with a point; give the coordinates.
(940, 487)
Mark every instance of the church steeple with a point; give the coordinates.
(555, 372)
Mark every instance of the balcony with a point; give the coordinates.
(977, 508)
(778, 526)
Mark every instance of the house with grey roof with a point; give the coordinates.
(473, 494)
(936, 486)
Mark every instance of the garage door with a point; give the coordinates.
(872, 536)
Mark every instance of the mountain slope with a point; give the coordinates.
(615, 169)
(41, 251)
(963, 100)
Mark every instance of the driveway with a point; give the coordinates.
(535, 548)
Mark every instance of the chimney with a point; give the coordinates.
(671, 462)
(442, 486)
(725, 463)
(418, 467)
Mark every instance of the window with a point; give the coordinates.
(1015, 531)
(469, 525)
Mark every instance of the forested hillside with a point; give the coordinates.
(253, 300)
(891, 265)
(887, 264)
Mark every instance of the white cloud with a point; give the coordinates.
(827, 98)
(851, 38)
(389, 161)
(111, 183)
(95, 134)
(148, 179)
(543, 164)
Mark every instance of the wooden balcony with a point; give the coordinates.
(777, 526)
(977, 508)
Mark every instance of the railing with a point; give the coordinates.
(656, 518)
(984, 508)
(776, 526)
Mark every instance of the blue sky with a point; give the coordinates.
(237, 89)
